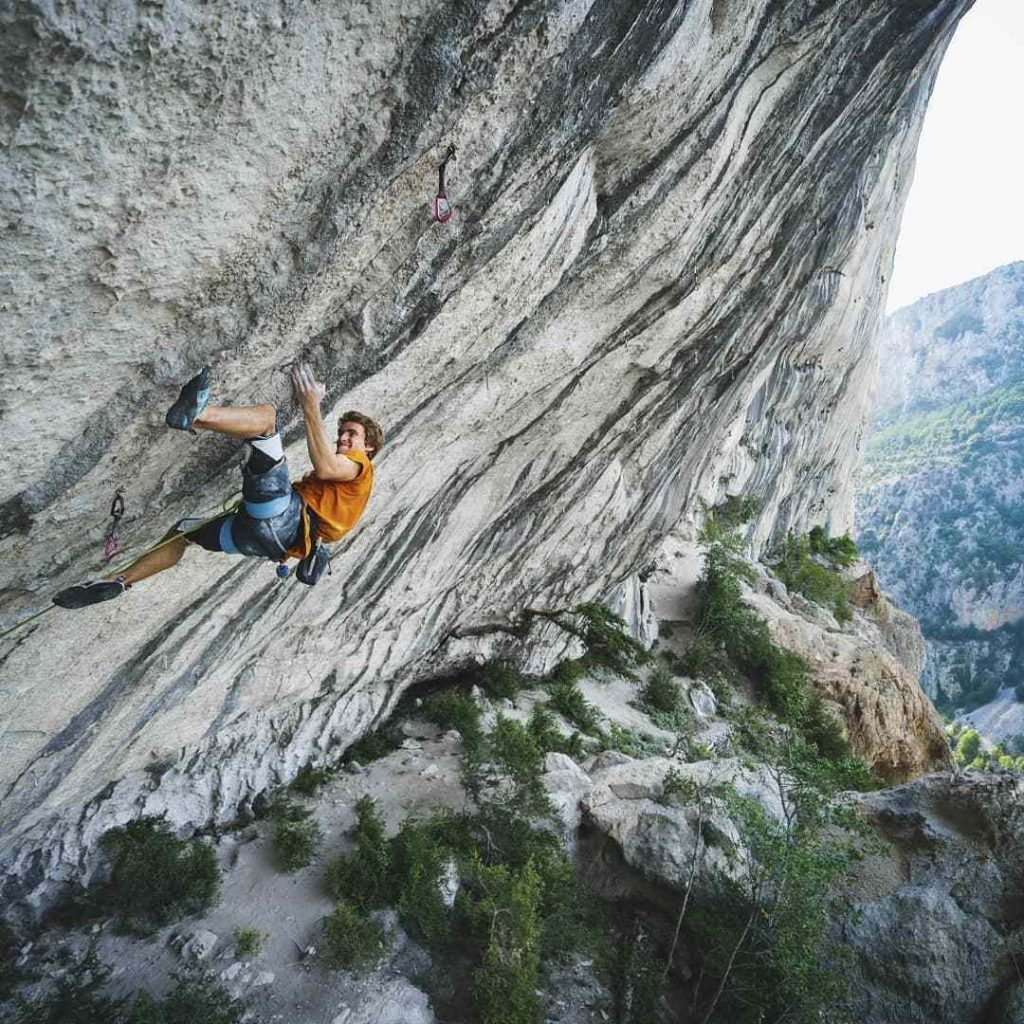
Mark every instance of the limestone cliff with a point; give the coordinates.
(662, 283)
(939, 510)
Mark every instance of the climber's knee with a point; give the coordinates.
(264, 452)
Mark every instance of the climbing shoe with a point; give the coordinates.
(90, 593)
(191, 402)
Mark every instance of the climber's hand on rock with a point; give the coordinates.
(307, 390)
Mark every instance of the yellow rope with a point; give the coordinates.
(228, 505)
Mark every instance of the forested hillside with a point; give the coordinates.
(940, 510)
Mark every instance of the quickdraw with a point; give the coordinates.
(443, 209)
(111, 544)
(228, 505)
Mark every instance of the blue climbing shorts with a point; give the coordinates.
(266, 526)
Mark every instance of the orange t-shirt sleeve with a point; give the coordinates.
(338, 504)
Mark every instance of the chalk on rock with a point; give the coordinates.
(430, 772)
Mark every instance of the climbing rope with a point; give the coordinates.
(228, 505)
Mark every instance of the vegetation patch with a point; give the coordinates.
(490, 890)
(311, 778)
(731, 637)
(661, 698)
(544, 729)
(568, 700)
(374, 745)
(249, 942)
(155, 878)
(969, 751)
(352, 939)
(794, 563)
(297, 835)
(362, 876)
(77, 997)
(763, 939)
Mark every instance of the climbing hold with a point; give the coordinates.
(443, 209)
(283, 572)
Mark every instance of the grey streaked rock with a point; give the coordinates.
(661, 286)
(198, 945)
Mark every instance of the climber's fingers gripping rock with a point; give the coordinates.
(307, 389)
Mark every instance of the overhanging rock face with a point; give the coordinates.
(662, 283)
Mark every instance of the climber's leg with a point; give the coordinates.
(94, 591)
(192, 409)
(163, 557)
(248, 421)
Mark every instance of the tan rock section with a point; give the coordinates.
(886, 716)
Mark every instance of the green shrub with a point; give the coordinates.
(451, 709)
(374, 745)
(840, 551)
(499, 680)
(733, 637)
(506, 918)
(661, 699)
(513, 748)
(545, 731)
(420, 859)
(607, 642)
(310, 778)
(763, 941)
(818, 583)
(155, 878)
(568, 700)
(361, 877)
(296, 842)
(352, 940)
(636, 975)
(677, 784)
(195, 998)
(76, 998)
(968, 747)
(661, 692)
(604, 635)
(248, 942)
(567, 672)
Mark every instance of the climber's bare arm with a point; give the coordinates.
(327, 463)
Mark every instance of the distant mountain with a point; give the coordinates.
(940, 507)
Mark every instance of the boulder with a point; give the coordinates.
(933, 916)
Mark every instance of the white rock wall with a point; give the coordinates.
(662, 284)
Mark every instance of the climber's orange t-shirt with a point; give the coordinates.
(337, 504)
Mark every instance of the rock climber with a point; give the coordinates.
(277, 519)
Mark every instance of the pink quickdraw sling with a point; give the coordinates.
(443, 209)
(111, 545)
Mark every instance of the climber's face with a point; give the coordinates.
(351, 438)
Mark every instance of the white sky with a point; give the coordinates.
(965, 212)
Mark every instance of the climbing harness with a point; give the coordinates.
(111, 543)
(443, 209)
